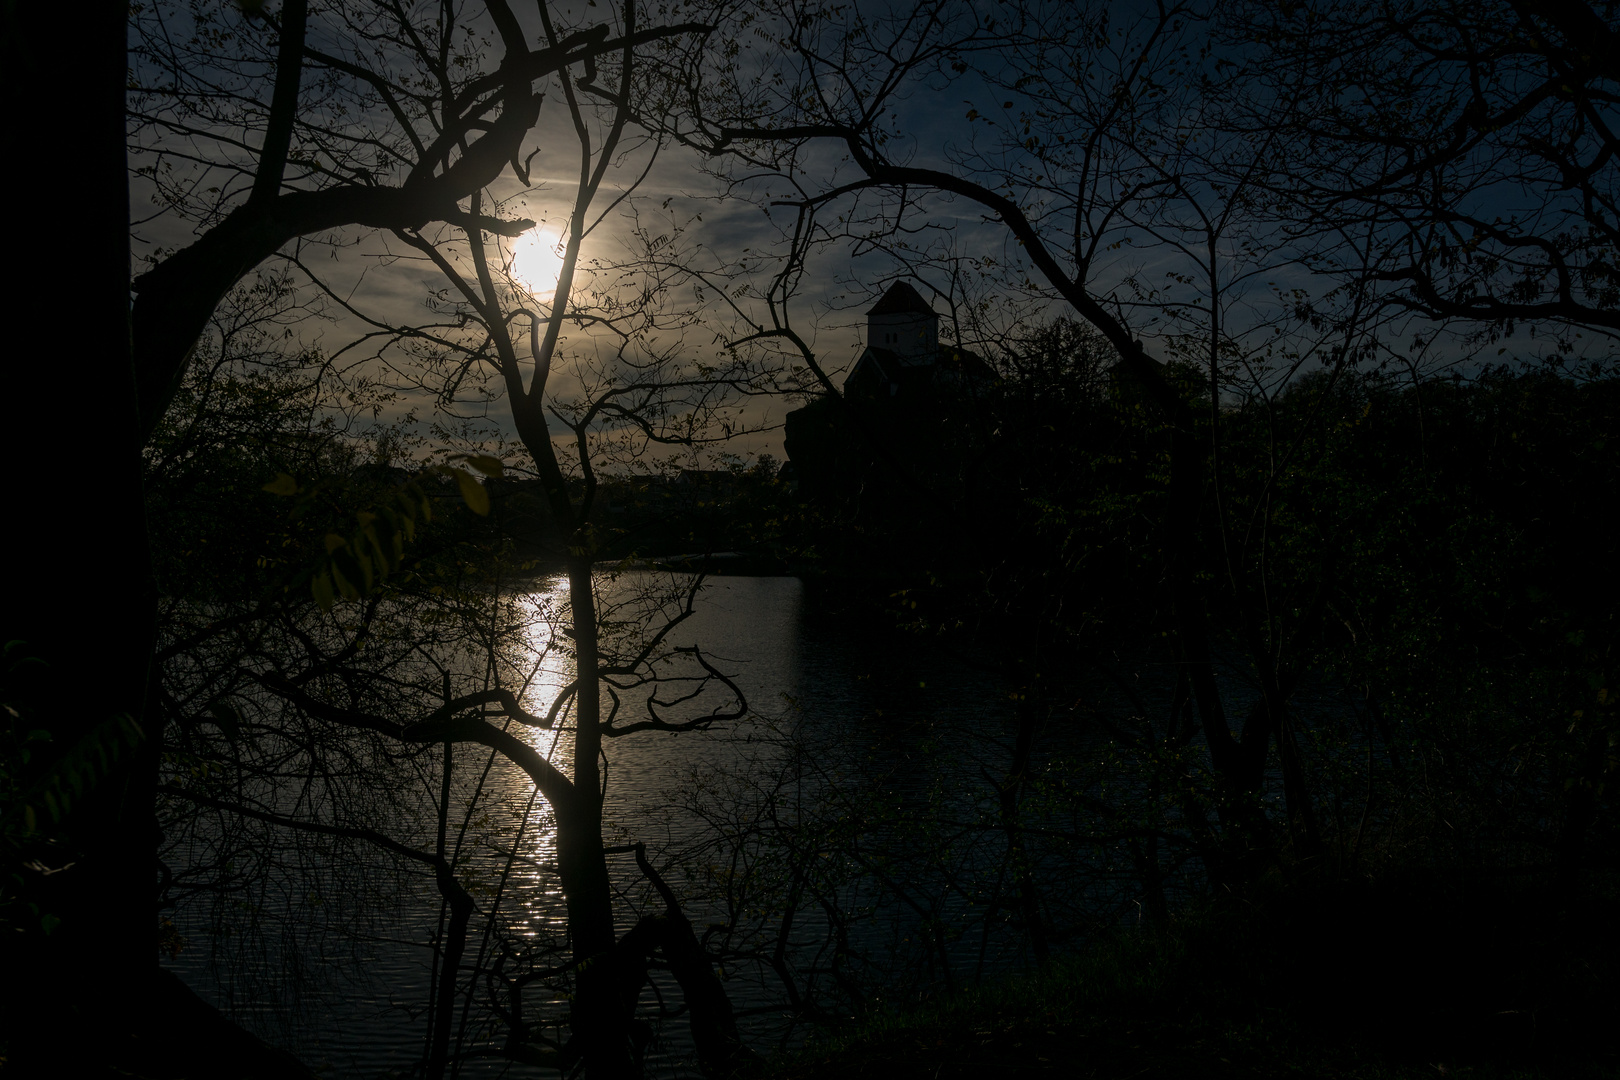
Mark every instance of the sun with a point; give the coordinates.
(537, 261)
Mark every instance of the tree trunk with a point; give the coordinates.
(454, 947)
(81, 595)
(607, 985)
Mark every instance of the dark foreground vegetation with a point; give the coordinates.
(1435, 892)
(1406, 978)
(1231, 608)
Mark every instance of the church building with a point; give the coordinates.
(903, 357)
(921, 399)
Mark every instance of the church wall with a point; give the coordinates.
(911, 334)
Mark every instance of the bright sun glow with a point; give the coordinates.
(536, 261)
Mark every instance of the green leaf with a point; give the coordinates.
(486, 464)
(383, 562)
(321, 586)
(472, 492)
(345, 586)
(282, 485)
(347, 575)
(227, 719)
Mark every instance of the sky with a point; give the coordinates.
(373, 280)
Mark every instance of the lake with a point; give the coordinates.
(860, 796)
(864, 707)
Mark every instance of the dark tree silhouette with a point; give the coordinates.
(309, 124)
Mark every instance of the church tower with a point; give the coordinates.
(904, 323)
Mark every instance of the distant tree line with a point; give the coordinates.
(1249, 273)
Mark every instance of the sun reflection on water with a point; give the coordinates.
(542, 672)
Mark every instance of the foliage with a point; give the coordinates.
(1259, 612)
(1278, 990)
(41, 786)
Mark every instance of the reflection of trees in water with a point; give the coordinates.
(286, 903)
(852, 853)
(322, 859)
(855, 854)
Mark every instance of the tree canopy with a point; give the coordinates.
(1283, 340)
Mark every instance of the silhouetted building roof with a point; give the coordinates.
(905, 388)
(899, 300)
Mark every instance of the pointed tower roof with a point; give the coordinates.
(901, 299)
